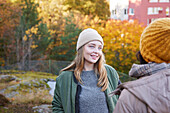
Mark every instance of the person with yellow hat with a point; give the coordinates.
(84, 85)
(151, 92)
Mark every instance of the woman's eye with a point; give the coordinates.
(100, 48)
(91, 46)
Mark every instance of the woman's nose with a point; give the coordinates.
(95, 50)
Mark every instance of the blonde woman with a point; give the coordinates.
(84, 85)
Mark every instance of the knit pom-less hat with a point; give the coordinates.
(88, 35)
(155, 41)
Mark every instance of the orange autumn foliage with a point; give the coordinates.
(9, 16)
(121, 43)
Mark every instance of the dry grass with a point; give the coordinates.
(28, 74)
(5, 85)
(39, 97)
(17, 108)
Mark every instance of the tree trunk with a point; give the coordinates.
(23, 51)
(17, 51)
(29, 52)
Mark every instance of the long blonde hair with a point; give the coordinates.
(78, 64)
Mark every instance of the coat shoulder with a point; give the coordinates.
(64, 75)
(109, 67)
(111, 72)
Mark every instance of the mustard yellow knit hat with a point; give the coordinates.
(155, 41)
(88, 35)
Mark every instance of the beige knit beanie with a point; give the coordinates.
(88, 35)
(155, 41)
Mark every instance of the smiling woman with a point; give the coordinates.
(92, 53)
(83, 86)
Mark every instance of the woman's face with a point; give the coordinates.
(92, 51)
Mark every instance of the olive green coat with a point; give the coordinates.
(66, 87)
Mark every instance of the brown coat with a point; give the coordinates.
(150, 94)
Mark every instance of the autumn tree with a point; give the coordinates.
(98, 8)
(121, 40)
(9, 18)
(41, 42)
(31, 34)
(66, 50)
(53, 15)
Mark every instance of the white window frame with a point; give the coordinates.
(164, 1)
(131, 11)
(154, 10)
(153, 1)
(167, 11)
(150, 11)
(114, 11)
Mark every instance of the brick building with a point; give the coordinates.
(145, 11)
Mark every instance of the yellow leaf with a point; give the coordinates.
(27, 32)
(25, 38)
(34, 46)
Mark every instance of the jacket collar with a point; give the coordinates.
(74, 78)
(138, 71)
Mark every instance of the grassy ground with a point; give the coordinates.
(23, 102)
(28, 74)
(17, 108)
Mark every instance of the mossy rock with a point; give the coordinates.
(26, 86)
(7, 78)
(3, 100)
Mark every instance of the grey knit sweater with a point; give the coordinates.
(91, 98)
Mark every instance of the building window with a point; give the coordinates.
(150, 20)
(151, 1)
(131, 11)
(160, 9)
(114, 12)
(150, 11)
(154, 10)
(167, 11)
(125, 11)
(163, 0)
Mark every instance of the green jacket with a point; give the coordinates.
(66, 88)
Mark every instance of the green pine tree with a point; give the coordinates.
(67, 50)
(29, 18)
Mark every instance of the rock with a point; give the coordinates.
(52, 80)
(7, 78)
(3, 100)
(47, 80)
(45, 108)
(25, 84)
(2, 91)
(11, 94)
(40, 84)
(13, 87)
